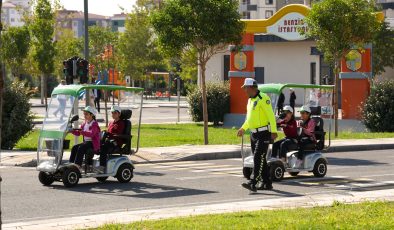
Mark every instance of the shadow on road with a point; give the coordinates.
(148, 174)
(134, 189)
(351, 162)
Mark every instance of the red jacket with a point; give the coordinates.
(116, 128)
(291, 128)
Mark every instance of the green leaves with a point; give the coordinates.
(42, 31)
(378, 112)
(15, 46)
(138, 47)
(383, 49)
(197, 23)
(337, 25)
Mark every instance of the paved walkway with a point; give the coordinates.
(198, 152)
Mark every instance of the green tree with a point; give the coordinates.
(185, 65)
(205, 25)
(42, 29)
(1, 91)
(137, 45)
(66, 46)
(383, 49)
(15, 47)
(337, 25)
(99, 39)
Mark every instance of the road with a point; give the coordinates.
(160, 185)
(150, 115)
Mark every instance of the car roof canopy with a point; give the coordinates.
(277, 88)
(74, 90)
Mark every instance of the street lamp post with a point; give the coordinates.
(86, 49)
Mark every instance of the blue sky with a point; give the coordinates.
(103, 7)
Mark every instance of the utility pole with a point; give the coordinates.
(86, 50)
(1, 106)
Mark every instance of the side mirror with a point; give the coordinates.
(74, 118)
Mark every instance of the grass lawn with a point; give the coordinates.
(182, 134)
(379, 215)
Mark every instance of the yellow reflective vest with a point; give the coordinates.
(260, 113)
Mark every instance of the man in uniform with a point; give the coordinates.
(260, 120)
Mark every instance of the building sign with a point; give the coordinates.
(240, 61)
(353, 60)
(289, 27)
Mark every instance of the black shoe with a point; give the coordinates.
(267, 187)
(250, 186)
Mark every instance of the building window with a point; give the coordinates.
(12, 19)
(12, 11)
(246, 15)
(269, 2)
(75, 24)
(268, 13)
(246, 2)
(313, 73)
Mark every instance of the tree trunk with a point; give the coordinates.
(42, 88)
(1, 104)
(45, 91)
(204, 103)
(336, 97)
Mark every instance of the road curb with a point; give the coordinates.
(360, 148)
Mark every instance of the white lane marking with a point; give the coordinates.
(198, 177)
(169, 163)
(380, 175)
(214, 170)
(198, 168)
(355, 166)
(180, 165)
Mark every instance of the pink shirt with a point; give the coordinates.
(309, 129)
(91, 133)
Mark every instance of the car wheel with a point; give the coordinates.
(247, 172)
(277, 172)
(70, 177)
(45, 178)
(125, 173)
(320, 168)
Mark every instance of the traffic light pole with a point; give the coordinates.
(86, 50)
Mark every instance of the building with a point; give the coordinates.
(277, 59)
(118, 22)
(253, 9)
(13, 11)
(74, 20)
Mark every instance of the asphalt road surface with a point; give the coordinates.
(162, 185)
(150, 115)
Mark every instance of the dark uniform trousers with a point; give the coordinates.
(260, 142)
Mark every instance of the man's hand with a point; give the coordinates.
(241, 132)
(274, 136)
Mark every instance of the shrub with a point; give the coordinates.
(17, 118)
(218, 98)
(378, 113)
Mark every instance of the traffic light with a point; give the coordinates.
(83, 71)
(67, 70)
(76, 67)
